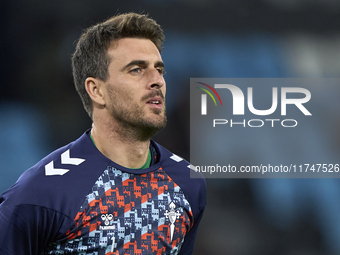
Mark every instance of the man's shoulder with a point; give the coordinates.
(57, 163)
(182, 172)
(171, 159)
(168, 156)
(34, 182)
(59, 179)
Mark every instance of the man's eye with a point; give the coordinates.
(161, 70)
(135, 70)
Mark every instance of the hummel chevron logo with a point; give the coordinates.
(176, 158)
(65, 159)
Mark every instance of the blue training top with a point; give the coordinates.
(77, 201)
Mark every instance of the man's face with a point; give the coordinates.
(135, 85)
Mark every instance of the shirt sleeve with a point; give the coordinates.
(27, 229)
(189, 240)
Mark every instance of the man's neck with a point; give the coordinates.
(124, 150)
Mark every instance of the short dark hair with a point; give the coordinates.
(91, 59)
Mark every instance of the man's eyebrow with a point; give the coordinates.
(141, 63)
(159, 64)
(135, 63)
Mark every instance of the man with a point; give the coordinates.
(114, 190)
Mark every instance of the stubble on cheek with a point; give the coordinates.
(130, 112)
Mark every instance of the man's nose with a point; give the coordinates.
(156, 79)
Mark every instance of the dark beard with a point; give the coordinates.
(140, 129)
(132, 123)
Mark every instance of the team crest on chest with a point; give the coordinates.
(172, 215)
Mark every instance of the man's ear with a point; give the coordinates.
(95, 89)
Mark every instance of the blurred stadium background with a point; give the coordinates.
(41, 111)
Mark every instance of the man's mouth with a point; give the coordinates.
(155, 102)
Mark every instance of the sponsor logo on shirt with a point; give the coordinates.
(106, 219)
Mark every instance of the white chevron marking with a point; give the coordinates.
(65, 159)
(176, 158)
(50, 170)
(192, 167)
